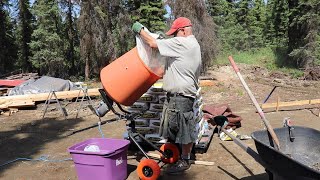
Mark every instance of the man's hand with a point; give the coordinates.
(136, 27)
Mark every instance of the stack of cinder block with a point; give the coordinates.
(205, 131)
(198, 114)
(150, 106)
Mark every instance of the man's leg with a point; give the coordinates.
(186, 150)
(183, 164)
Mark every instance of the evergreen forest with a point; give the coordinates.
(73, 38)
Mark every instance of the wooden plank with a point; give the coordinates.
(44, 96)
(285, 104)
(206, 163)
(16, 104)
(278, 101)
(315, 101)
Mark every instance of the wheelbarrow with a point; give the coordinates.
(291, 152)
(298, 159)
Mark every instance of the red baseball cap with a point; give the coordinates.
(178, 23)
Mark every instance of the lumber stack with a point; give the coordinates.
(30, 99)
(24, 76)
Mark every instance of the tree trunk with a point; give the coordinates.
(71, 38)
(87, 68)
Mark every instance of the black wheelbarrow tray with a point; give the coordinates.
(299, 155)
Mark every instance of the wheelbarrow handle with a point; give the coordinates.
(253, 99)
(245, 147)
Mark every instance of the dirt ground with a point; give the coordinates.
(26, 135)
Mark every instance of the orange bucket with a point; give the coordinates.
(127, 78)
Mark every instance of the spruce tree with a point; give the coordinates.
(204, 28)
(277, 23)
(105, 33)
(24, 31)
(70, 37)
(151, 14)
(8, 49)
(47, 44)
(86, 36)
(218, 10)
(230, 32)
(256, 20)
(122, 31)
(242, 13)
(303, 33)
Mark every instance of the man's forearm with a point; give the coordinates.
(148, 39)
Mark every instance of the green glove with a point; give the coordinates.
(136, 27)
(161, 35)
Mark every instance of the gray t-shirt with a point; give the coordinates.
(183, 66)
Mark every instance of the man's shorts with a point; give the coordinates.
(178, 122)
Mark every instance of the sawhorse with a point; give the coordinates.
(84, 89)
(49, 100)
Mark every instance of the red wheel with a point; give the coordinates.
(148, 169)
(170, 150)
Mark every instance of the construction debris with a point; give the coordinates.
(4, 91)
(9, 111)
(23, 76)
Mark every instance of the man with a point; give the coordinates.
(180, 80)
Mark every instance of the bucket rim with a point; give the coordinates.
(73, 149)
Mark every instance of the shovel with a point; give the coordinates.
(253, 99)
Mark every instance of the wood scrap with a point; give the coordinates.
(4, 91)
(206, 163)
(207, 83)
(9, 112)
(16, 104)
(14, 110)
(206, 78)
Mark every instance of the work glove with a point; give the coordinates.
(136, 27)
(161, 35)
(221, 120)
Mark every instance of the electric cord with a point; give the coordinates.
(44, 158)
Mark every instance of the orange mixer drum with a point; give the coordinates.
(127, 78)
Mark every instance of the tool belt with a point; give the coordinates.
(170, 95)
